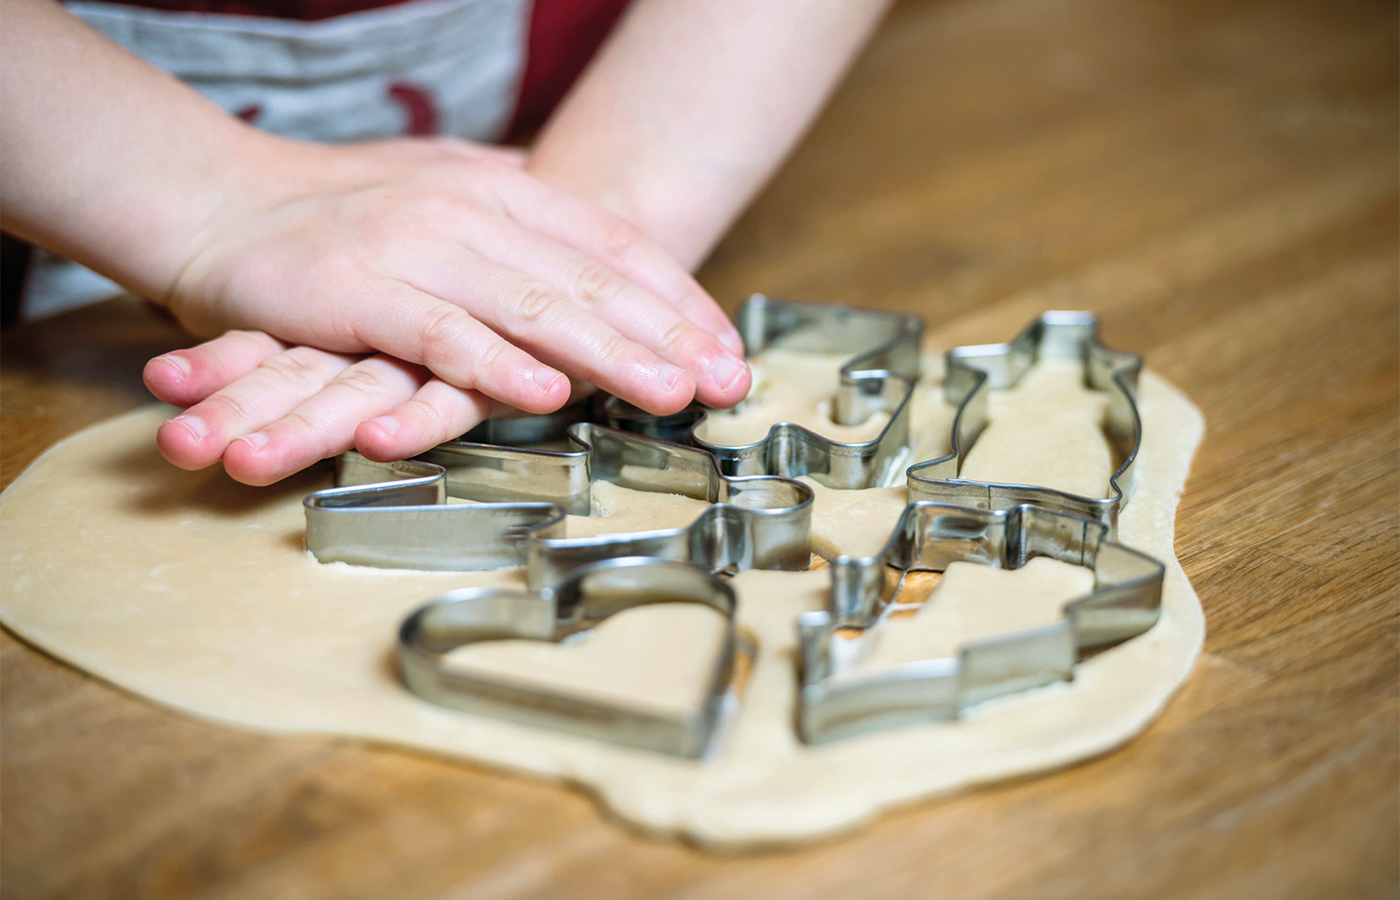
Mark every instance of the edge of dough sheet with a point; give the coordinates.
(764, 788)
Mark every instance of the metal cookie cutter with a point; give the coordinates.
(973, 371)
(1125, 602)
(755, 522)
(879, 377)
(579, 602)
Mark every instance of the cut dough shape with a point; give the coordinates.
(972, 602)
(196, 592)
(854, 523)
(620, 510)
(599, 664)
(1046, 431)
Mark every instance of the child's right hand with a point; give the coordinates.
(451, 256)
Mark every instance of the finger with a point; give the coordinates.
(185, 377)
(721, 377)
(542, 320)
(419, 328)
(591, 230)
(324, 423)
(438, 412)
(199, 436)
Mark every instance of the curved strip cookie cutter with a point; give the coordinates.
(1125, 602)
(879, 377)
(585, 598)
(756, 522)
(971, 373)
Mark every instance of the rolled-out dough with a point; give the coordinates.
(196, 592)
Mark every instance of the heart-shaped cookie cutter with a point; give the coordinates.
(586, 597)
(971, 372)
(1125, 602)
(759, 522)
(879, 377)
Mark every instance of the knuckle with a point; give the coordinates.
(292, 367)
(621, 239)
(443, 336)
(491, 357)
(613, 348)
(677, 336)
(230, 408)
(361, 380)
(297, 423)
(534, 303)
(429, 414)
(596, 283)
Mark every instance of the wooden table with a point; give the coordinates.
(1219, 181)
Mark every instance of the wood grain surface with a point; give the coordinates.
(1219, 181)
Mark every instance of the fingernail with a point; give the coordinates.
(194, 424)
(726, 369)
(179, 364)
(669, 375)
(257, 440)
(388, 424)
(732, 342)
(545, 379)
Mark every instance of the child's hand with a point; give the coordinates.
(268, 410)
(450, 256)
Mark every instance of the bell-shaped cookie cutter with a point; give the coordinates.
(972, 371)
(758, 522)
(1125, 602)
(578, 603)
(879, 377)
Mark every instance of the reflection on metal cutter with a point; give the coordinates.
(755, 522)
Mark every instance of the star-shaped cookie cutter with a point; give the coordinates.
(579, 602)
(1125, 602)
(879, 377)
(973, 371)
(396, 515)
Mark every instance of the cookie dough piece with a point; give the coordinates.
(972, 602)
(1046, 431)
(656, 658)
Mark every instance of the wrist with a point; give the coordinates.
(181, 209)
(683, 211)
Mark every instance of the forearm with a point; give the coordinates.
(107, 160)
(692, 105)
